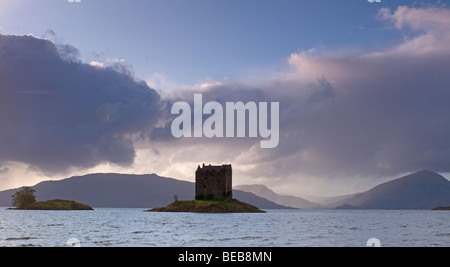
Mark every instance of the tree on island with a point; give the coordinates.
(24, 197)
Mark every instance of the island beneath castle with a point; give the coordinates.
(213, 194)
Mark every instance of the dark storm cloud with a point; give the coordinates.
(68, 52)
(57, 113)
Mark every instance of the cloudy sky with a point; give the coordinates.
(364, 88)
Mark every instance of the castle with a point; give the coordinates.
(213, 182)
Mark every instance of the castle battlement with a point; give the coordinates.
(213, 182)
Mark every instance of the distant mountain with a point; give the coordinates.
(125, 191)
(421, 190)
(326, 201)
(290, 201)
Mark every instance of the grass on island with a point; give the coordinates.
(57, 204)
(209, 206)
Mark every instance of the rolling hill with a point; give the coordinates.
(421, 190)
(125, 191)
(290, 201)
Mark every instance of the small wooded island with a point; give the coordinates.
(213, 194)
(25, 200)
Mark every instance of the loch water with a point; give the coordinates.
(277, 228)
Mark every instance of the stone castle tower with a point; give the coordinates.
(213, 182)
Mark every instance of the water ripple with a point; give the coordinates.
(132, 227)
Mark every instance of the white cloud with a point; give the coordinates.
(433, 25)
(97, 64)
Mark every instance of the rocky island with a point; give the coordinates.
(209, 206)
(213, 194)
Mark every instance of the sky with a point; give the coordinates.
(364, 88)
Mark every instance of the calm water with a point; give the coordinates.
(133, 227)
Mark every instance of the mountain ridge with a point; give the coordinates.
(124, 191)
(421, 190)
(285, 200)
